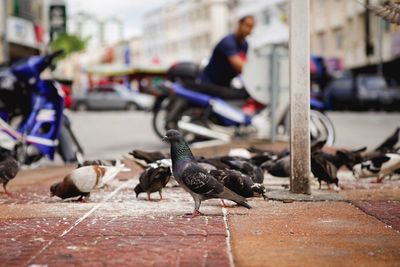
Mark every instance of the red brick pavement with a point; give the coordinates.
(386, 211)
(123, 241)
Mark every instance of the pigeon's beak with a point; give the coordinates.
(51, 194)
(165, 139)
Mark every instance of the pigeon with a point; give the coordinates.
(212, 163)
(389, 143)
(245, 166)
(388, 11)
(154, 178)
(324, 170)
(81, 181)
(98, 162)
(239, 183)
(380, 166)
(258, 151)
(148, 156)
(344, 157)
(9, 168)
(279, 167)
(194, 179)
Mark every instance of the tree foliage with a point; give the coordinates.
(69, 43)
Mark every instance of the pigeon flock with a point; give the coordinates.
(233, 177)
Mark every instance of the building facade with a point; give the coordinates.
(26, 25)
(346, 30)
(184, 30)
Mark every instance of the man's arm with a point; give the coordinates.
(237, 62)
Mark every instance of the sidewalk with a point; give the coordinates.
(358, 227)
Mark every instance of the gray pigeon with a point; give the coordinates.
(193, 178)
(8, 170)
(239, 183)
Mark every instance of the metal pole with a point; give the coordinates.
(380, 47)
(299, 47)
(274, 89)
(4, 40)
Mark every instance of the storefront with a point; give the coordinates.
(24, 38)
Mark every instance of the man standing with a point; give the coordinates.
(229, 55)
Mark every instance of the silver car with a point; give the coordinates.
(112, 97)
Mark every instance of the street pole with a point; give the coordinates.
(274, 73)
(299, 49)
(380, 47)
(3, 27)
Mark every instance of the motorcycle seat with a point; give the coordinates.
(226, 93)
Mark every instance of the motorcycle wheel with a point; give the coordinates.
(68, 147)
(321, 127)
(159, 119)
(160, 125)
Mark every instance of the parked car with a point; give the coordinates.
(112, 97)
(363, 92)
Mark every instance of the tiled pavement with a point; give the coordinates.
(125, 231)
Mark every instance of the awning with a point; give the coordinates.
(120, 70)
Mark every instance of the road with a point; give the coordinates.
(357, 129)
(110, 134)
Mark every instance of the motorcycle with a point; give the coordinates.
(202, 112)
(43, 128)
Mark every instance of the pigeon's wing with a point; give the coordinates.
(8, 170)
(204, 184)
(258, 175)
(200, 182)
(239, 183)
(146, 178)
(261, 158)
(216, 162)
(148, 156)
(390, 142)
(323, 169)
(378, 161)
(163, 174)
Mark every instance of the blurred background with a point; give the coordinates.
(113, 46)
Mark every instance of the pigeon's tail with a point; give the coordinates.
(112, 171)
(232, 196)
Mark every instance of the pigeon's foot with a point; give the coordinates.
(82, 199)
(5, 190)
(377, 181)
(7, 194)
(192, 215)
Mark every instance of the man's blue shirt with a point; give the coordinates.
(219, 70)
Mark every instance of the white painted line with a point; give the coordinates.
(228, 238)
(87, 214)
(98, 206)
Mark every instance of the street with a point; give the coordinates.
(111, 134)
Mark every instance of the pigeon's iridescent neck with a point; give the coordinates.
(180, 152)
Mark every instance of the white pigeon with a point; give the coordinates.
(81, 181)
(380, 166)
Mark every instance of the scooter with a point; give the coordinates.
(188, 106)
(43, 128)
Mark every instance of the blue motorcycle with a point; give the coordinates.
(204, 112)
(43, 128)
